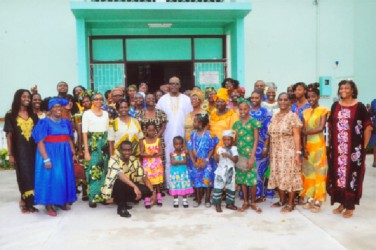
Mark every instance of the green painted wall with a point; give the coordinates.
(108, 50)
(208, 48)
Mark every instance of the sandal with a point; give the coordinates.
(339, 209)
(218, 208)
(309, 204)
(256, 208)
(348, 213)
(278, 204)
(287, 209)
(51, 211)
(147, 203)
(244, 207)
(231, 207)
(33, 209)
(159, 199)
(24, 210)
(315, 207)
(260, 199)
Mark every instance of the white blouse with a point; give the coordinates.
(94, 123)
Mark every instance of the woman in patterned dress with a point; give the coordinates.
(350, 130)
(285, 153)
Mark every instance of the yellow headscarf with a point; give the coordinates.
(199, 94)
(222, 94)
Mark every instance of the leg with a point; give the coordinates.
(199, 192)
(245, 206)
(253, 200)
(119, 193)
(207, 197)
(374, 157)
(230, 199)
(290, 203)
(282, 199)
(159, 195)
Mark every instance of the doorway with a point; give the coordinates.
(156, 74)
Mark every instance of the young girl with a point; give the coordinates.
(247, 133)
(151, 153)
(227, 156)
(202, 165)
(179, 178)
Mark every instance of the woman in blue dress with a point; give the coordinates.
(201, 163)
(262, 115)
(54, 174)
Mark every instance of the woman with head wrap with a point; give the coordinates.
(197, 97)
(54, 173)
(131, 92)
(209, 103)
(139, 104)
(221, 118)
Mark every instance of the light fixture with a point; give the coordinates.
(159, 25)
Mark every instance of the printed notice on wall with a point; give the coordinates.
(209, 77)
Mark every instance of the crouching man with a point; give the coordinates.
(125, 180)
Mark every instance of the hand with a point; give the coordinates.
(264, 154)
(48, 165)
(11, 160)
(225, 155)
(137, 192)
(297, 161)
(251, 162)
(306, 153)
(80, 154)
(87, 156)
(173, 162)
(34, 89)
(74, 158)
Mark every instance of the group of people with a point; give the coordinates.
(129, 145)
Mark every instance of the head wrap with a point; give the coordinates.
(228, 133)
(142, 94)
(242, 100)
(241, 91)
(222, 94)
(199, 94)
(132, 86)
(57, 100)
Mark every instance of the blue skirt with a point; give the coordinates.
(55, 186)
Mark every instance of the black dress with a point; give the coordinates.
(23, 150)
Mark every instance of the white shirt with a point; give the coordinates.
(93, 123)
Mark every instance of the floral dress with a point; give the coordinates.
(180, 183)
(153, 166)
(346, 154)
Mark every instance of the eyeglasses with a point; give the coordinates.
(98, 99)
(117, 95)
(174, 83)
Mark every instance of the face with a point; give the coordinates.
(312, 98)
(270, 94)
(195, 101)
(25, 99)
(260, 85)
(235, 96)
(86, 103)
(78, 91)
(150, 100)
(139, 100)
(227, 141)
(283, 102)
(299, 92)
(109, 98)
(143, 88)
(211, 96)
(256, 100)
(174, 84)
(98, 100)
(62, 87)
(151, 131)
(36, 102)
(165, 88)
(289, 90)
(131, 92)
(69, 106)
(229, 86)
(178, 144)
(244, 110)
(345, 91)
(126, 151)
(220, 104)
(116, 95)
(56, 110)
(123, 109)
(158, 95)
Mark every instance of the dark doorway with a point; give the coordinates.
(158, 73)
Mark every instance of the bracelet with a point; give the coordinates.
(298, 152)
(265, 149)
(47, 160)
(207, 159)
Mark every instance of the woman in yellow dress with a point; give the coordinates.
(221, 118)
(315, 164)
(197, 97)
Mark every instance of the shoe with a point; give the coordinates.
(51, 211)
(33, 209)
(287, 209)
(338, 210)
(254, 207)
(147, 203)
(218, 208)
(159, 199)
(231, 207)
(185, 203)
(128, 207)
(92, 204)
(207, 204)
(316, 207)
(348, 213)
(309, 204)
(176, 203)
(196, 204)
(123, 212)
(85, 198)
(374, 165)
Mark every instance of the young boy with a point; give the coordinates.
(225, 173)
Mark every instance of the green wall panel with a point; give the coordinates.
(158, 49)
(107, 49)
(208, 48)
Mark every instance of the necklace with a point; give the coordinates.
(174, 103)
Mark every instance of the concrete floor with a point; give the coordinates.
(192, 228)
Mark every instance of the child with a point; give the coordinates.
(151, 153)
(202, 164)
(247, 133)
(179, 179)
(225, 173)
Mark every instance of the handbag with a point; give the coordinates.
(242, 163)
(79, 171)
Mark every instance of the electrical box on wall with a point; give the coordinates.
(325, 85)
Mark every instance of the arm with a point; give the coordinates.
(296, 135)
(111, 147)
(72, 149)
(122, 177)
(86, 147)
(42, 150)
(162, 130)
(79, 138)
(147, 183)
(367, 135)
(10, 153)
(252, 159)
(264, 152)
(319, 129)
